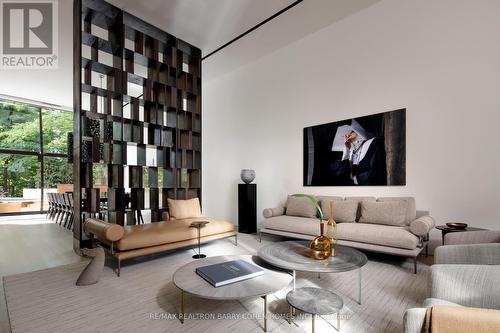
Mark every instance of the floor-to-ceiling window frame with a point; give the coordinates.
(33, 153)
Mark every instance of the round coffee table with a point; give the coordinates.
(325, 302)
(294, 256)
(273, 280)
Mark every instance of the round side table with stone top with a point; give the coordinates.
(325, 303)
(294, 256)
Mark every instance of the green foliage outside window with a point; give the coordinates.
(20, 130)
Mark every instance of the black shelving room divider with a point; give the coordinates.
(137, 121)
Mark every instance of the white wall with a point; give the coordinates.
(53, 86)
(439, 59)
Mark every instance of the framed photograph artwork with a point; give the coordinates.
(363, 151)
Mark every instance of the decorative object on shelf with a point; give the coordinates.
(321, 246)
(331, 227)
(247, 175)
(456, 225)
(91, 273)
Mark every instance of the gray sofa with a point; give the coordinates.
(464, 274)
(389, 225)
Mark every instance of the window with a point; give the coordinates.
(33, 155)
(19, 127)
(55, 125)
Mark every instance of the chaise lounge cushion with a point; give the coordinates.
(383, 235)
(184, 209)
(152, 234)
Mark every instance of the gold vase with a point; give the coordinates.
(331, 227)
(321, 246)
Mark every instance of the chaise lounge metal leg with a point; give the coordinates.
(415, 265)
(236, 240)
(118, 268)
(260, 237)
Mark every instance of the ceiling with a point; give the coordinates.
(207, 24)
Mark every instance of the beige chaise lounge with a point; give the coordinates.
(389, 225)
(125, 242)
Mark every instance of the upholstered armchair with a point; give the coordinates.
(466, 273)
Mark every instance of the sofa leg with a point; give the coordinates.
(426, 250)
(415, 265)
(118, 268)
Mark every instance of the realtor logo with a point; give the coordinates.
(29, 34)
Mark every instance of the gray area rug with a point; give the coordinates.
(144, 298)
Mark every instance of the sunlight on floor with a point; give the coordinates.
(24, 219)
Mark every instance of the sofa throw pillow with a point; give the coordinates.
(183, 209)
(384, 212)
(343, 211)
(300, 206)
(411, 207)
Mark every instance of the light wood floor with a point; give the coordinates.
(29, 243)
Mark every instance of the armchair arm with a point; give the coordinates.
(469, 254)
(422, 225)
(413, 320)
(270, 212)
(472, 237)
(104, 231)
(467, 285)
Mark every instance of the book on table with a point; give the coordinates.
(229, 272)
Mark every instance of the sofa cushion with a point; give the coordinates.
(343, 211)
(411, 207)
(422, 225)
(384, 235)
(184, 209)
(299, 225)
(358, 200)
(270, 212)
(300, 206)
(152, 234)
(387, 212)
